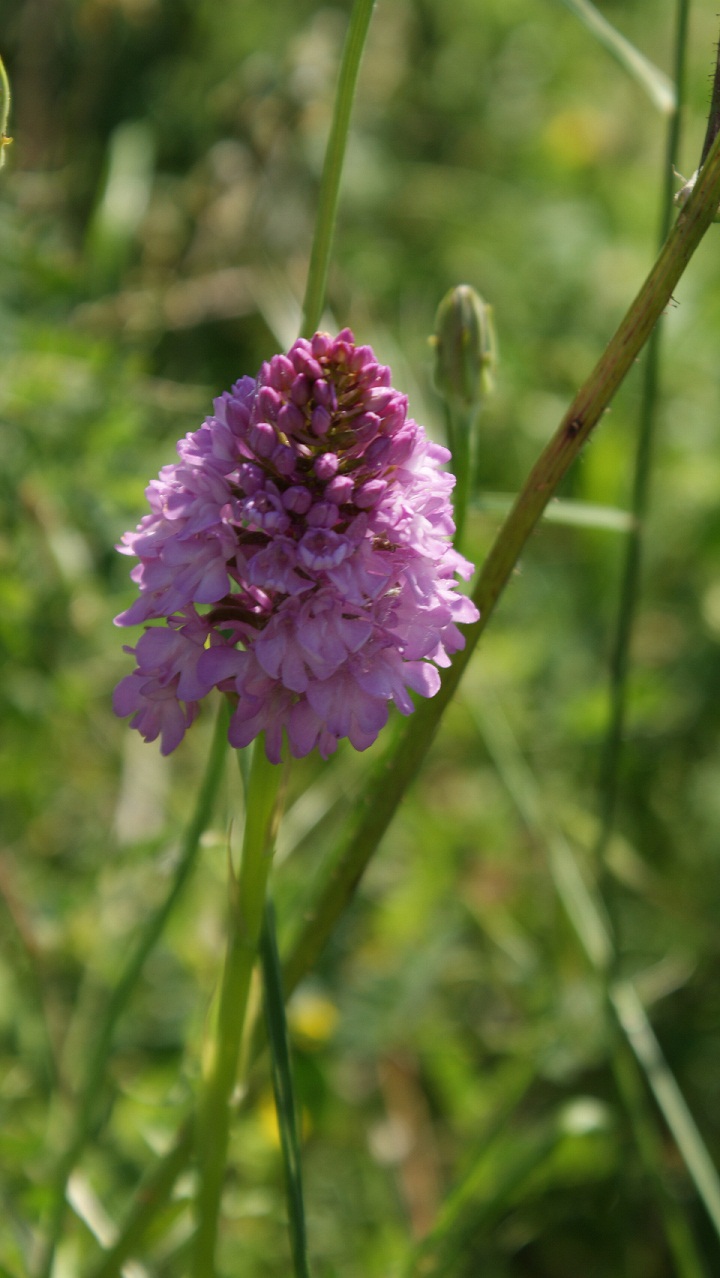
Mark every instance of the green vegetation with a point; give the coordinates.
(506, 1059)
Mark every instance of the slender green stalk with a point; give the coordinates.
(332, 168)
(247, 903)
(629, 590)
(397, 769)
(461, 424)
(95, 1073)
(283, 1089)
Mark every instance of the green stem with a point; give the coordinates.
(87, 1100)
(397, 769)
(332, 168)
(247, 903)
(629, 590)
(461, 428)
(284, 1091)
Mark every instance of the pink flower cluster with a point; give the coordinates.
(298, 555)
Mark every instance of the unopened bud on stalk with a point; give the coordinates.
(465, 350)
(465, 358)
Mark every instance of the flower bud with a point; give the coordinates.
(464, 341)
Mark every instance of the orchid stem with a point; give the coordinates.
(247, 905)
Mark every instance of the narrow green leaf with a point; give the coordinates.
(656, 84)
(576, 514)
(639, 1032)
(283, 1088)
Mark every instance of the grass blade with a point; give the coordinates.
(575, 514)
(639, 1032)
(655, 83)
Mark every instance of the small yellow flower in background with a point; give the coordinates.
(312, 1017)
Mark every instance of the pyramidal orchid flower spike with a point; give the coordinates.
(298, 557)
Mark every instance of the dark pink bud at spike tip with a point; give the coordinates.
(313, 596)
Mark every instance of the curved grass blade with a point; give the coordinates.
(655, 83)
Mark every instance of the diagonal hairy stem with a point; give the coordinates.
(395, 772)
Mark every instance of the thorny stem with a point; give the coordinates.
(713, 124)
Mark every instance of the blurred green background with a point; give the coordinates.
(156, 212)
